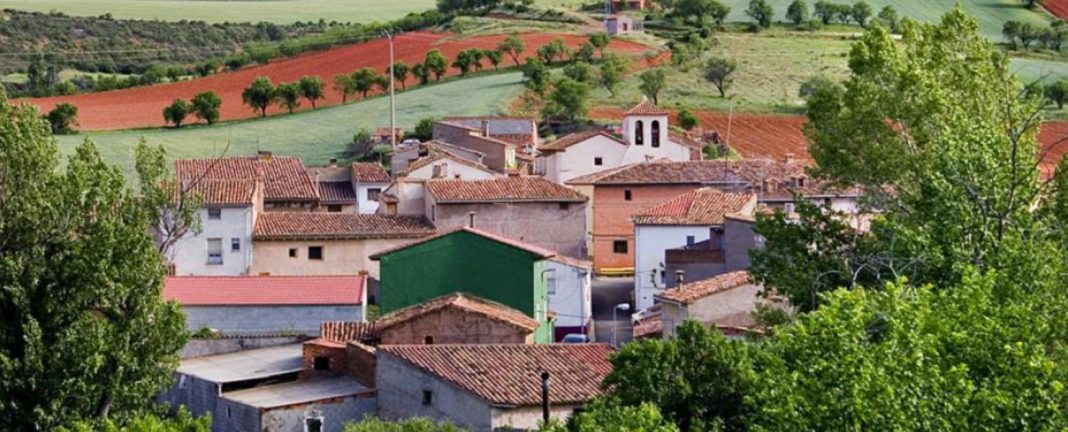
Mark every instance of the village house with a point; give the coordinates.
(726, 301)
(408, 154)
(349, 189)
(645, 137)
(250, 305)
(506, 143)
(488, 387)
(717, 255)
(696, 217)
(618, 194)
(490, 266)
(529, 209)
(625, 5)
(407, 194)
(329, 243)
(621, 25)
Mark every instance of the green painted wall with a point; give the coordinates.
(465, 262)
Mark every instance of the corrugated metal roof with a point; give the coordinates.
(245, 365)
(297, 392)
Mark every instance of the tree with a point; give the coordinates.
(584, 53)
(816, 84)
(183, 421)
(311, 88)
(797, 12)
(344, 84)
(825, 11)
(371, 424)
(176, 112)
(537, 75)
(494, 57)
(652, 82)
(719, 71)
(463, 62)
(85, 333)
(424, 130)
(420, 71)
(400, 73)
(686, 119)
(888, 17)
(259, 95)
(1054, 36)
(861, 13)
(61, 118)
(605, 415)
(568, 100)
(1027, 33)
(580, 71)
(700, 9)
(363, 80)
(513, 46)
(1057, 92)
(206, 106)
(600, 40)
(288, 95)
(761, 13)
(382, 82)
(1011, 29)
(436, 63)
(550, 51)
(718, 11)
(612, 69)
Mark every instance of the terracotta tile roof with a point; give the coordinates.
(337, 226)
(645, 107)
(685, 140)
(264, 290)
(368, 172)
(529, 248)
(571, 139)
(511, 374)
(336, 192)
(705, 206)
(345, 331)
(573, 262)
(436, 156)
(505, 189)
(465, 302)
(651, 325)
(232, 192)
(284, 178)
(693, 291)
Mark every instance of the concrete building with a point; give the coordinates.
(266, 304)
(618, 194)
(706, 259)
(329, 243)
(567, 282)
(407, 195)
(487, 387)
(726, 301)
(528, 209)
(696, 217)
(646, 136)
(621, 25)
(350, 189)
(407, 154)
(480, 263)
(503, 141)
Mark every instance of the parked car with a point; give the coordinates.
(575, 338)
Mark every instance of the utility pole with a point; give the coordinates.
(392, 96)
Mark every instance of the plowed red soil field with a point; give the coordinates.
(143, 106)
(1057, 7)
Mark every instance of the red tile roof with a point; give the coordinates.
(368, 172)
(336, 192)
(439, 155)
(693, 291)
(705, 206)
(571, 139)
(284, 178)
(465, 302)
(505, 189)
(345, 331)
(264, 290)
(321, 225)
(529, 248)
(511, 374)
(645, 108)
(223, 192)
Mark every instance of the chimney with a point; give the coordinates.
(545, 397)
(471, 218)
(680, 277)
(264, 154)
(788, 158)
(437, 171)
(333, 163)
(485, 128)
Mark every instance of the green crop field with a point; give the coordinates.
(1035, 69)
(316, 135)
(277, 11)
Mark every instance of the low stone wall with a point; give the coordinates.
(205, 347)
(361, 363)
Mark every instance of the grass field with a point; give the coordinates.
(316, 135)
(277, 11)
(64, 75)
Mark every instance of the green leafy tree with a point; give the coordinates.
(1057, 92)
(183, 421)
(420, 72)
(1011, 30)
(861, 13)
(652, 82)
(699, 10)
(259, 95)
(550, 51)
(400, 73)
(613, 69)
(371, 424)
(476, 57)
(889, 18)
(600, 40)
(288, 95)
(424, 129)
(206, 106)
(176, 112)
(797, 12)
(85, 333)
(494, 57)
(604, 415)
(584, 53)
(62, 118)
(825, 11)
(345, 85)
(436, 63)
(536, 75)
(720, 72)
(463, 62)
(686, 119)
(568, 100)
(382, 82)
(363, 80)
(816, 84)
(513, 46)
(311, 88)
(581, 72)
(761, 13)
(1056, 34)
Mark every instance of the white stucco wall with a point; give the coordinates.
(572, 299)
(364, 205)
(453, 169)
(711, 309)
(650, 242)
(528, 417)
(400, 396)
(578, 160)
(190, 254)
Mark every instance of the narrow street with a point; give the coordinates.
(607, 293)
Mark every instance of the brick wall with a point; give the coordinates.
(452, 326)
(333, 351)
(361, 363)
(612, 214)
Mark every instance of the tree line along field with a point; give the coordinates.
(316, 136)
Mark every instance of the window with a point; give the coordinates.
(550, 285)
(228, 413)
(619, 246)
(214, 214)
(627, 195)
(315, 252)
(428, 340)
(292, 252)
(313, 425)
(333, 208)
(215, 251)
(655, 129)
(598, 161)
(690, 240)
(639, 133)
(235, 244)
(321, 363)
(433, 212)
(372, 194)
(565, 206)
(428, 397)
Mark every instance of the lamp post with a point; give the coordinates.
(615, 322)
